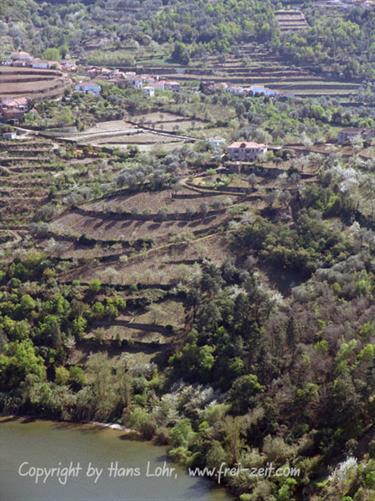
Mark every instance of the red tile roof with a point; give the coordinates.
(247, 144)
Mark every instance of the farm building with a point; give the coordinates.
(149, 91)
(88, 88)
(257, 90)
(13, 108)
(21, 58)
(172, 85)
(245, 151)
(9, 135)
(216, 143)
(68, 65)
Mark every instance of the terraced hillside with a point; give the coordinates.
(25, 179)
(32, 83)
(34, 172)
(169, 226)
(146, 244)
(291, 20)
(343, 4)
(329, 5)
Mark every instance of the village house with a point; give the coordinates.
(207, 86)
(137, 82)
(117, 75)
(42, 64)
(347, 135)
(25, 60)
(8, 135)
(13, 109)
(130, 74)
(245, 151)
(172, 85)
(148, 83)
(93, 71)
(236, 90)
(258, 90)
(159, 85)
(68, 65)
(21, 58)
(149, 91)
(88, 88)
(220, 86)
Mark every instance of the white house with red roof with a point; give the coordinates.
(245, 151)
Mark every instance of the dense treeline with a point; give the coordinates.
(298, 378)
(216, 26)
(341, 44)
(40, 324)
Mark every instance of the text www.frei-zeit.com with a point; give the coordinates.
(224, 471)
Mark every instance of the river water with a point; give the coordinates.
(121, 470)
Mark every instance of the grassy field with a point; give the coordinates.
(140, 130)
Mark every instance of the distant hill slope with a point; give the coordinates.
(340, 44)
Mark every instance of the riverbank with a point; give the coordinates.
(130, 432)
(103, 462)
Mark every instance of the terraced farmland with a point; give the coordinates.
(164, 229)
(31, 171)
(342, 4)
(291, 20)
(145, 245)
(144, 131)
(255, 64)
(32, 83)
(25, 178)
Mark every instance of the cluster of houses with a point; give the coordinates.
(150, 84)
(21, 59)
(238, 90)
